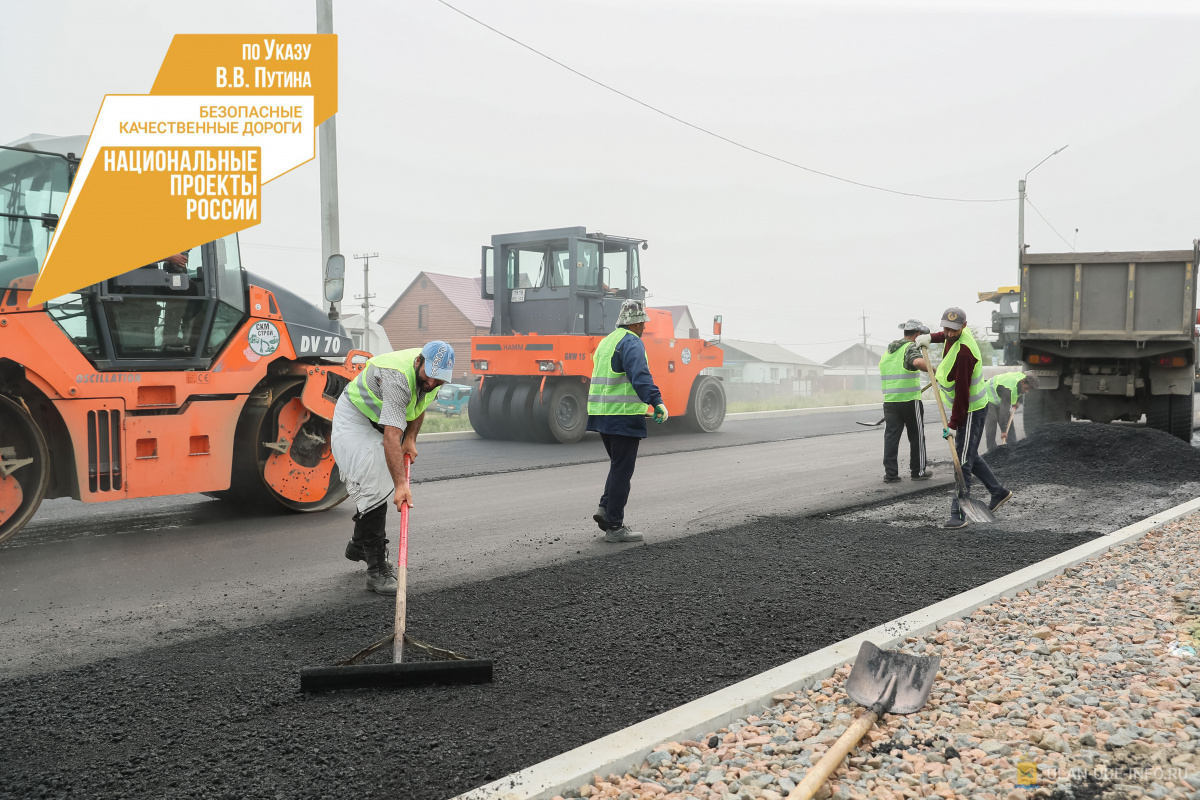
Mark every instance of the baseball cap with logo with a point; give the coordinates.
(954, 319)
(439, 360)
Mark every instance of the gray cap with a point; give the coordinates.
(954, 319)
(913, 325)
(632, 312)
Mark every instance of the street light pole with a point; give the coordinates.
(1021, 209)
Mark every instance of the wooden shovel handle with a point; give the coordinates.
(832, 759)
(945, 422)
(402, 574)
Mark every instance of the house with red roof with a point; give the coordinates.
(437, 306)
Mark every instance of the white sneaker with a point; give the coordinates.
(622, 534)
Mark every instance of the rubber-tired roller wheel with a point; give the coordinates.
(528, 419)
(566, 412)
(504, 426)
(477, 409)
(706, 406)
(24, 466)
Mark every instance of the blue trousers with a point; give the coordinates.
(966, 441)
(622, 455)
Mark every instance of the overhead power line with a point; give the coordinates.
(714, 134)
(1048, 225)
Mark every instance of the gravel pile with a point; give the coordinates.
(1087, 687)
(1087, 450)
(582, 649)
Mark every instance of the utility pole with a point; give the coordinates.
(1021, 210)
(327, 150)
(366, 295)
(866, 353)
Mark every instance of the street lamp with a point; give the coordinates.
(1021, 208)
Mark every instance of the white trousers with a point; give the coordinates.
(358, 451)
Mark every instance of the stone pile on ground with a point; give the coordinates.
(1067, 451)
(1086, 687)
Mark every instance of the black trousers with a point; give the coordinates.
(966, 442)
(370, 527)
(997, 419)
(906, 415)
(622, 455)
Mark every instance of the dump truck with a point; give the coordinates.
(206, 378)
(558, 293)
(1111, 336)
(1006, 322)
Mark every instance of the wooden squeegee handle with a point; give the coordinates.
(832, 759)
(402, 574)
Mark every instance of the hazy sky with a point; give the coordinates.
(449, 133)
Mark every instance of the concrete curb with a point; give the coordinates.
(626, 749)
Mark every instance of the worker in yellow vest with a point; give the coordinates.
(900, 376)
(1004, 397)
(621, 389)
(960, 379)
(375, 424)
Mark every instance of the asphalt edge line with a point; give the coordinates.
(626, 749)
(450, 436)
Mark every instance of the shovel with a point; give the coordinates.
(974, 509)
(886, 682)
(350, 675)
(877, 424)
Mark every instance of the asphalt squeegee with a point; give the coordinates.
(446, 668)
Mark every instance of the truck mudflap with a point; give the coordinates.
(301, 465)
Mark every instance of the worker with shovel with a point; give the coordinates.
(375, 425)
(1004, 397)
(900, 373)
(620, 390)
(960, 380)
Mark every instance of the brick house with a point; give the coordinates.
(436, 306)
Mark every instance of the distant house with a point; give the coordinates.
(374, 342)
(436, 306)
(681, 318)
(855, 368)
(766, 365)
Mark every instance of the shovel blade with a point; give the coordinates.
(975, 510)
(869, 679)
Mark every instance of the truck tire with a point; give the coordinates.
(1043, 406)
(1181, 416)
(566, 411)
(1158, 412)
(706, 405)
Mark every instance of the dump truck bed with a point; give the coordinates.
(1129, 296)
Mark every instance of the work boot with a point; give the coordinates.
(999, 498)
(601, 517)
(381, 574)
(622, 534)
(368, 526)
(922, 476)
(891, 478)
(957, 520)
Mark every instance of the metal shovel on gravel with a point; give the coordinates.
(974, 509)
(449, 668)
(886, 682)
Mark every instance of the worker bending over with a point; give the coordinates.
(621, 388)
(1005, 392)
(375, 424)
(960, 379)
(900, 372)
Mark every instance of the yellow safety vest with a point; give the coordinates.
(978, 397)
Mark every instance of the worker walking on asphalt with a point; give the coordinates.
(1004, 397)
(900, 372)
(960, 379)
(375, 424)
(621, 388)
